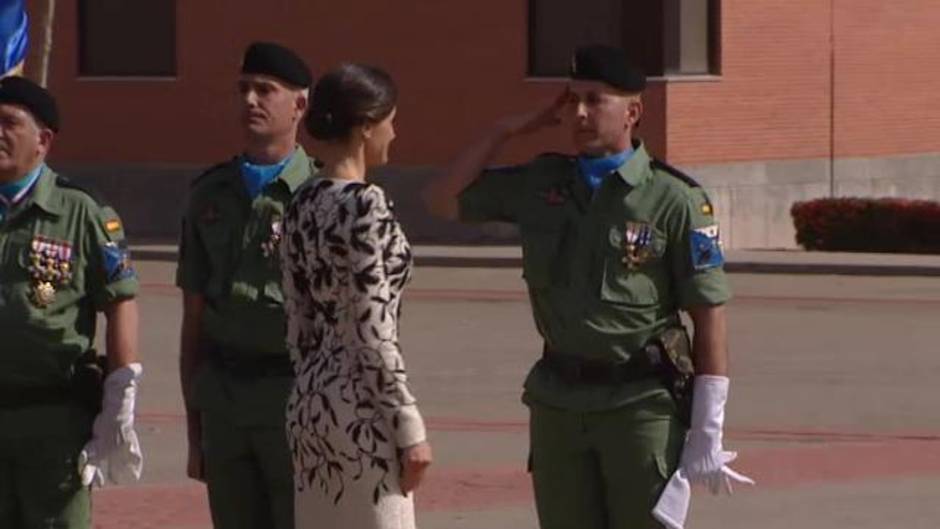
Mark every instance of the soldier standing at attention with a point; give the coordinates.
(235, 370)
(64, 425)
(615, 245)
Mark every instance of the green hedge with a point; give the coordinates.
(868, 225)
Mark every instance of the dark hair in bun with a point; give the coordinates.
(347, 97)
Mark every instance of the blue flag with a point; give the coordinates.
(14, 36)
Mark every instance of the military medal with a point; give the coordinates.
(637, 244)
(43, 294)
(49, 267)
(270, 246)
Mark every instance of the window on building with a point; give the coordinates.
(127, 38)
(664, 37)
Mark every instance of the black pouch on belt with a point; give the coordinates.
(675, 358)
(88, 380)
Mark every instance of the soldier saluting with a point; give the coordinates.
(615, 245)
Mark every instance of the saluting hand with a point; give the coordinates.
(530, 122)
(415, 460)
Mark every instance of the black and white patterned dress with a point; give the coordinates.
(346, 261)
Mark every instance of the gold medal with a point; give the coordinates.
(638, 240)
(43, 294)
(269, 247)
(49, 268)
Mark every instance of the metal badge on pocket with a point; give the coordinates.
(270, 246)
(50, 267)
(637, 244)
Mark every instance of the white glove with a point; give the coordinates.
(703, 460)
(114, 447)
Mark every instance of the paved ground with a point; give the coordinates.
(834, 406)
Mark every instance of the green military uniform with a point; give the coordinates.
(63, 257)
(229, 254)
(607, 271)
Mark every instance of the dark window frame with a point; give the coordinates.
(655, 63)
(88, 70)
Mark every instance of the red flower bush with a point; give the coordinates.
(868, 225)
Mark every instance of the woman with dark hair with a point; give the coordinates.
(358, 441)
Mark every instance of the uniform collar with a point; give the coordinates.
(297, 170)
(637, 169)
(294, 173)
(43, 193)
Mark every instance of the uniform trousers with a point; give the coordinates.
(603, 469)
(249, 474)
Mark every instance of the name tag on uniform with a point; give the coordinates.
(706, 248)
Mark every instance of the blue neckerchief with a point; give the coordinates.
(256, 176)
(13, 192)
(594, 170)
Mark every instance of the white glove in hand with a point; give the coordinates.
(114, 448)
(703, 460)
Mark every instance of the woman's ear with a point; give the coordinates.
(366, 130)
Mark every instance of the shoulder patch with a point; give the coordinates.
(67, 183)
(658, 165)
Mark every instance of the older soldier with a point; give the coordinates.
(63, 258)
(615, 244)
(235, 369)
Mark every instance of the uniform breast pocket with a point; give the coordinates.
(634, 270)
(541, 250)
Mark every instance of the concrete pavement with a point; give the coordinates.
(738, 261)
(833, 407)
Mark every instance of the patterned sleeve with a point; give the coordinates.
(374, 316)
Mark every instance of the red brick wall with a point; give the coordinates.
(773, 98)
(887, 77)
(460, 65)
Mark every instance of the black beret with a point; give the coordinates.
(40, 103)
(608, 65)
(267, 58)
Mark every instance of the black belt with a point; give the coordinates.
(249, 364)
(644, 364)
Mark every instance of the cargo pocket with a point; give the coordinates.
(540, 251)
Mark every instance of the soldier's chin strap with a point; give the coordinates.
(114, 450)
(704, 461)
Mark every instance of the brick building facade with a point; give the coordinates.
(799, 98)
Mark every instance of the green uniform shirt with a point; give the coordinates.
(229, 254)
(63, 258)
(592, 294)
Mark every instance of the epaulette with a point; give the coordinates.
(663, 166)
(555, 155)
(207, 172)
(67, 183)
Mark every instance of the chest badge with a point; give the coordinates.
(554, 196)
(210, 215)
(269, 247)
(637, 244)
(50, 267)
